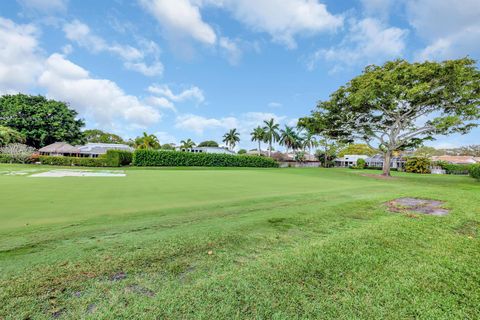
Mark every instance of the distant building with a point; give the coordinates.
(377, 162)
(349, 160)
(208, 150)
(457, 159)
(92, 150)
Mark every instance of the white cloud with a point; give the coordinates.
(231, 50)
(20, 61)
(181, 18)
(44, 6)
(134, 58)
(286, 19)
(161, 102)
(377, 8)
(193, 93)
(452, 29)
(367, 41)
(101, 99)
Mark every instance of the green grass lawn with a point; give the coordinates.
(236, 243)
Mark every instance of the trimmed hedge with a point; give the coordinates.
(454, 168)
(75, 161)
(118, 158)
(154, 158)
(475, 171)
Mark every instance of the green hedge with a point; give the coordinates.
(118, 158)
(475, 171)
(418, 165)
(4, 158)
(75, 161)
(160, 158)
(454, 168)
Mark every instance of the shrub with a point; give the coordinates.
(17, 153)
(361, 163)
(475, 171)
(451, 168)
(242, 151)
(208, 143)
(417, 165)
(117, 158)
(188, 159)
(75, 161)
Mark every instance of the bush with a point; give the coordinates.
(75, 161)
(187, 159)
(16, 153)
(117, 158)
(361, 163)
(417, 165)
(475, 171)
(451, 168)
(242, 151)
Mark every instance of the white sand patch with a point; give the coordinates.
(78, 173)
(18, 173)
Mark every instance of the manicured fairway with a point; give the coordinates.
(236, 243)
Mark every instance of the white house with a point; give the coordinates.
(208, 150)
(349, 160)
(94, 150)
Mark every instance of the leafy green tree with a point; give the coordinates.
(99, 136)
(9, 135)
(401, 104)
(271, 133)
(258, 134)
(309, 141)
(147, 141)
(187, 144)
(242, 151)
(167, 146)
(471, 150)
(40, 120)
(231, 138)
(289, 138)
(208, 143)
(357, 148)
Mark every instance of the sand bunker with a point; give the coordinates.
(426, 206)
(78, 173)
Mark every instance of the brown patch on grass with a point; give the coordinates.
(425, 206)
(470, 228)
(378, 176)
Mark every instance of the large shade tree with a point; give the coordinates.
(402, 104)
(40, 120)
(271, 133)
(99, 136)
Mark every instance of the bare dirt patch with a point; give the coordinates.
(425, 206)
(377, 176)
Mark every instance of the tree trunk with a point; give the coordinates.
(387, 157)
(325, 154)
(259, 151)
(270, 148)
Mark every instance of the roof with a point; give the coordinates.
(59, 147)
(101, 148)
(352, 157)
(456, 159)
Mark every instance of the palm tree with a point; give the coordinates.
(271, 133)
(289, 138)
(231, 138)
(147, 141)
(187, 144)
(309, 141)
(258, 134)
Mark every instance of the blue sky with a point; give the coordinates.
(196, 68)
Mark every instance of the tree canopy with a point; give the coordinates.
(357, 148)
(402, 104)
(40, 120)
(231, 138)
(208, 143)
(147, 141)
(99, 136)
(187, 144)
(9, 135)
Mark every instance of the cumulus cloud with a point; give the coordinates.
(368, 41)
(452, 29)
(101, 99)
(198, 124)
(193, 93)
(134, 58)
(181, 18)
(20, 61)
